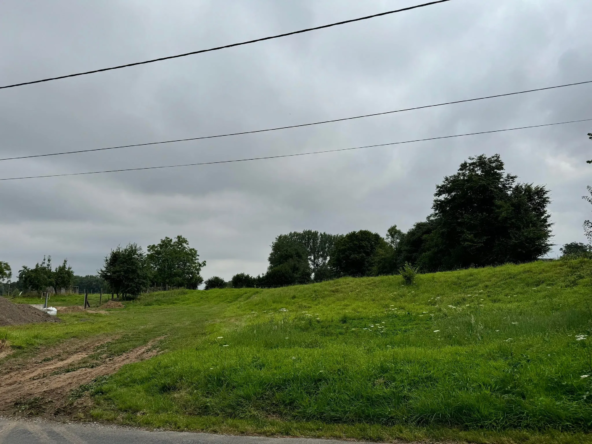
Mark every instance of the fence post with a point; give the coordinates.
(86, 304)
(101, 296)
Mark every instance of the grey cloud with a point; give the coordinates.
(232, 213)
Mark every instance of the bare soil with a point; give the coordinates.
(17, 314)
(43, 384)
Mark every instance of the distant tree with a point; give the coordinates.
(387, 257)
(91, 283)
(354, 253)
(126, 270)
(63, 277)
(576, 249)
(290, 258)
(175, 264)
(482, 217)
(215, 282)
(243, 280)
(417, 247)
(319, 246)
(39, 278)
(587, 223)
(5, 272)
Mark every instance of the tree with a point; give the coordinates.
(353, 254)
(482, 217)
(576, 249)
(126, 270)
(288, 263)
(63, 276)
(39, 278)
(319, 247)
(175, 264)
(5, 272)
(387, 257)
(91, 283)
(587, 223)
(215, 282)
(243, 280)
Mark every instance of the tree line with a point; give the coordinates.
(480, 216)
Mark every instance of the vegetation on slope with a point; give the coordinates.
(478, 350)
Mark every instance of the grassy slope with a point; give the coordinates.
(473, 354)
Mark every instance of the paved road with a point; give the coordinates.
(42, 432)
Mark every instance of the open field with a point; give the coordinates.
(483, 355)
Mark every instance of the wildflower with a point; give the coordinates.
(514, 323)
(287, 337)
(581, 337)
(497, 330)
(508, 340)
(220, 337)
(584, 376)
(211, 368)
(225, 345)
(293, 357)
(452, 306)
(283, 309)
(436, 331)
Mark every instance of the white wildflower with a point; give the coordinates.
(584, 376)
(514, 323)
(436, 331)
(293, 357)
(508, 340)
(225, 345)
(283, 309)
(581, 337)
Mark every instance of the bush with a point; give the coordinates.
(243, 280)
(409, 272)
(215, 282)
(576, 250)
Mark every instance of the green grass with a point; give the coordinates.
(484, 355)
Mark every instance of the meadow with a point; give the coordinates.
(499, 354)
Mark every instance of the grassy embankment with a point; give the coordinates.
(488, 355)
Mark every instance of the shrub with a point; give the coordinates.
(409, 272)
(215, 282)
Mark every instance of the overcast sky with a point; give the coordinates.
(231, 213)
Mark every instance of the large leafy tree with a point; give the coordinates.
(5, 272)
(575, 249)
(354, 253)
(39, 278)
(175, 264)
(63, 276)
(127, 271)
(387, 257)
(482, 217)
(319, 247)
(288, 263)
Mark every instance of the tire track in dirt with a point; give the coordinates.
(49, 383)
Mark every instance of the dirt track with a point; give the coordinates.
(42, 383)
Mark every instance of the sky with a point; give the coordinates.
(232, 212)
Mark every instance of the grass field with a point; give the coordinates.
(484, 355)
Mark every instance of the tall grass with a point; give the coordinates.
(483, 349)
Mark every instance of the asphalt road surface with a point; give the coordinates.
(42, 432)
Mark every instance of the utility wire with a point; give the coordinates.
(294, 154)
(294, 126)
(248, 42)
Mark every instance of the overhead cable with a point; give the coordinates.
(278, 128)
(279, 156)
(218, 48)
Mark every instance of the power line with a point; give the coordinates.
(294, 154)
(248, 42)
(322, 122)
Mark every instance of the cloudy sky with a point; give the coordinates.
(231, 213)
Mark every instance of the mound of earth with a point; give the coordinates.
(112, 304)
(17, 314)
(71, 309)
